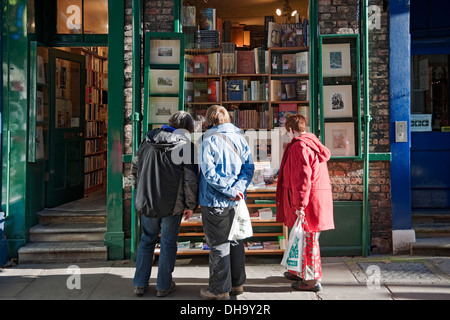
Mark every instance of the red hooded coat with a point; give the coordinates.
(303, 181)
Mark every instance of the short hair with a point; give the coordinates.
(216, 115)
(182, 120)
(297, 122)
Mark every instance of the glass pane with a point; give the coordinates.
(96, 16)
(430, 87)
(67, 93)
(69, 16)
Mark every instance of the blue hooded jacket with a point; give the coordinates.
(226, 166)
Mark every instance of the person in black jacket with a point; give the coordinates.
(166, 180)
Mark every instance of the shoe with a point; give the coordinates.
(301, 286)
(290, 276)
(165, 293)
(205, 294)
(139, 291)
(237, 290)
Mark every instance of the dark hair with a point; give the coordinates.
(182, 120)
(297, 122)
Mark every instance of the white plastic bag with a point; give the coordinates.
(242, 226)
(293, 255)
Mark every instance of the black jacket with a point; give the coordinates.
(165, 174)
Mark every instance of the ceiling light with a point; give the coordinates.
(286, 11)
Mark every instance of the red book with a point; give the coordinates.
(213, 91)
(245, 62)
(200, 65)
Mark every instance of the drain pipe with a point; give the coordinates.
(135, 115)
(367, 119)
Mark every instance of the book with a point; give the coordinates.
(267, 19)
(188, 65)
(235, 90)
(214, 64)
(207, 19)
(200, 91)
(188, 91)
(292, 35)
(302, 89)
(288, 63)
(245, 62)
(189, 16)
(275, 90)
(301, 62)
(255, 245)
(213, 91)
(276, 63)
(200, 65)
(288, 89)
(286, 110)
(271, 245)
(274, 35)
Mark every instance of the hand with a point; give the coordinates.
(187, 214)
(238, 197)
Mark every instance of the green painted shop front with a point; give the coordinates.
(23, 181)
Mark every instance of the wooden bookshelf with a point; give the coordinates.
(96, 114)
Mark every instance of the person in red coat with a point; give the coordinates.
(304, 190)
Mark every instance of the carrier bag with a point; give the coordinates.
(241, 227)
(293, 255)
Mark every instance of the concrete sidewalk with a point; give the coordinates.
(344, 278)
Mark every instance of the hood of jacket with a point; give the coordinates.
(221, 128)
(311, 141)
(166, 138)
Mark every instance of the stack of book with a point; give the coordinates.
(207, 39)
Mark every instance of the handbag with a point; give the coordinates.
(241, 227)
(293, 255)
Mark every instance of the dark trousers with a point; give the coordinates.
(226, 258)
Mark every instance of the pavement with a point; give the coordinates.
(344, 278)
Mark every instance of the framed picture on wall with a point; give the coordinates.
(164, 81)
(340, 138)
(337, 101)
(336, 60)
(164, 51)
(161, 109)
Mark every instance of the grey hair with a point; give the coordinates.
(182, 120)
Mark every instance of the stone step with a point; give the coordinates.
(431, 247)
(46, 252)
(431, 216)
(54, 216)
(66, 232)
(433, 230)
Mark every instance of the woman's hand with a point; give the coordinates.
(300, 212)
(187, 214)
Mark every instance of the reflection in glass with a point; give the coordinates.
(67, 89)
(96, 16)
(69, 19)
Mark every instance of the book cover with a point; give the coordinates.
(235, 90)
(245, 62)
(213, 64)
(292, 35)
(301, 62)
(189, 16)
(188, 91)
(188, 65)
(275, 90)
(289, 89)
(302, 90)
(274, 35)
(276, 63)
(267, 19)
(200, 65)
(207, 19)
(285, 111)
(213, 91)
(288, 63)
(200, 91)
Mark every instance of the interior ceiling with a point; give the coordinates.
(250, 12)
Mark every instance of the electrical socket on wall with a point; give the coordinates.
(401, 131)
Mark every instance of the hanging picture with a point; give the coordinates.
(164, 81)
(161, 109)
(40, 70)
(337, 101)
(336, 60)
(164, 51)
(39, 105)
(340, 138)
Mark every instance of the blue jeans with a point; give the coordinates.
(151, 227)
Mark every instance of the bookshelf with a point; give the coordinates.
(96, 114)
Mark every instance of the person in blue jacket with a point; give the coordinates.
(226, 170)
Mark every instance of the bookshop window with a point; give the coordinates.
(82, 16)
(430, 87)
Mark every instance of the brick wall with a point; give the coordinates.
(338, 17)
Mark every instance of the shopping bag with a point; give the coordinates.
(241, 227)
(293, 255)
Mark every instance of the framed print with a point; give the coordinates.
(161, 109)
(164, 81)
(340, 138)
(336, 60)
(40, 70)
(164, 51)
(337, 101)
